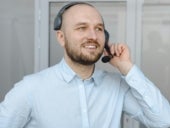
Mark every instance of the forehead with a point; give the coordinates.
(82, 10)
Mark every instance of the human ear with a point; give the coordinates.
(60, 37)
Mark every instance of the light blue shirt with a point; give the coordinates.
(58, 98)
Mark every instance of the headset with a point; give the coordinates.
(58, 24)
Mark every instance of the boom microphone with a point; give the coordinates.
(106, 59)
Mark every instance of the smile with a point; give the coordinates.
(91, 46)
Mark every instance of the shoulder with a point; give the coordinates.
(113, 78)
(109, 76)
(111, 83)
(32, 81)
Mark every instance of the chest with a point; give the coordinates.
(79, 105)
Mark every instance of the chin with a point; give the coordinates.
(89, 61)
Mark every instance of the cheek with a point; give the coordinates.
(72, 45)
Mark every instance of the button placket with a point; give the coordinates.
(83, 103)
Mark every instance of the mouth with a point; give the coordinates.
(91, 46)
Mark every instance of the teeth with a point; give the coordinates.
(91, 46)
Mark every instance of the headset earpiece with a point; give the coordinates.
(58, 22)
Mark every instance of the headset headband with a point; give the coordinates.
(58, 19)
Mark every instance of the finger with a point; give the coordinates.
(112, 49)
(105, 52)
(120, 49)
(117, 49)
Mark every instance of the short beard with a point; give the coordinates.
(80, 57)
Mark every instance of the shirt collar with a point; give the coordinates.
(97, 76)
(68, 74)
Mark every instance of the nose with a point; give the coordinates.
(92, 34)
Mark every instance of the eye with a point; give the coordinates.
(99, 29)
(81, 28)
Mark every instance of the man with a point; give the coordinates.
(73, 93)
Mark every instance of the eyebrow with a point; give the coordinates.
(84, 23)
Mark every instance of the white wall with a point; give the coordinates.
(156, 43)
(16, 42)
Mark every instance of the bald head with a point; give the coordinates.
(80, 13)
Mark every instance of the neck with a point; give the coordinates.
(83, 71)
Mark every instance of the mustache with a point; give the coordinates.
(91, 42)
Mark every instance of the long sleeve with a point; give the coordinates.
(14, 110)
(145, 102)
